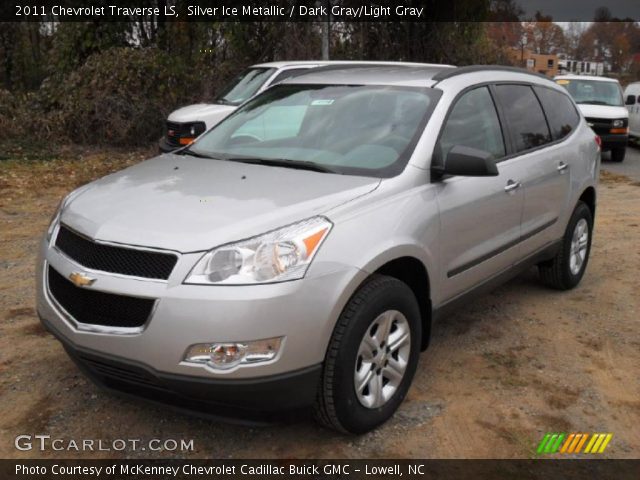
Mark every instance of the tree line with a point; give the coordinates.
(115, 82)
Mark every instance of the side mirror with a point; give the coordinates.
(630, 100)
(469, 162)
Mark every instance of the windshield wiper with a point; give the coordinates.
(187, 151)
(283, 162)
(593, 102)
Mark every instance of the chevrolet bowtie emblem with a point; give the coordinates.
(81, 280)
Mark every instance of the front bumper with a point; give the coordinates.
(612, 140)
(248, 400)
(303, 312)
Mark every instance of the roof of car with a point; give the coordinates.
(418, 75)
(406, 74)
(312, 63)
(585, 77)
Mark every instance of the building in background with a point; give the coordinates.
(582, 67)
(546, 64)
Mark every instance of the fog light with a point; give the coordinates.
(229, 354)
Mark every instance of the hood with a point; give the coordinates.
(208, 113)
(192, 204)
(603, 111)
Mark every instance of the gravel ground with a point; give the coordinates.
(511, 366)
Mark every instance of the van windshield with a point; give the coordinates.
(244, 86)
(593, 92)
(360, 130)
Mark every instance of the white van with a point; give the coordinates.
(187, 123)
(600, 101)
(632, 101)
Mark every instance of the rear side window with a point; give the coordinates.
(524, 116)
(561, 114)
(473, 122)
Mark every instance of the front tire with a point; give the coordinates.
(617, 154)
(372, 357)
(566, 269)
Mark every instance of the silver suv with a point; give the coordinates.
(298, 253)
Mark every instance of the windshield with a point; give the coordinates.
(593, 92)
(360, 130)
(244, 86)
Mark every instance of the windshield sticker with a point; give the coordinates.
(323, 101)
(563, 82)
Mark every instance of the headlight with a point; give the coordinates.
(276, 256)
(618, 123)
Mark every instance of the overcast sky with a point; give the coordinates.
(581, 10)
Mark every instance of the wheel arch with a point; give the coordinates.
(588, 196)
(413, 272)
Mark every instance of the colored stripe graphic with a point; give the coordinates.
(549, 446)
(573, 443)
(558, 442)
(567, 442)
(543, 442)
(581, 443)
(592, 440)
(606, 441)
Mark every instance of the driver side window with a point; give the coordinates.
(473, 122)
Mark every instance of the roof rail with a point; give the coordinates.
(452, 72)
(373, 64)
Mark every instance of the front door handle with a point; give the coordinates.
(511, 186)
(562, 167)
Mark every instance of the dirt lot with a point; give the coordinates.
(515, 364)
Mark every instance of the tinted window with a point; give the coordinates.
(561, 113)
(524, 116)
(473, 122)
(286, 74)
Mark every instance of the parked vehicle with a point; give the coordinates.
(632, 101)
(187, 123)
(298, 253)
(600, 101)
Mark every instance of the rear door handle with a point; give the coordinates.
(562, 167)
(511, 186)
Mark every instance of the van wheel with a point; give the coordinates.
(372, 357)
(617, 154)
(565, 270)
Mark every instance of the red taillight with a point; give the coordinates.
(598, 141)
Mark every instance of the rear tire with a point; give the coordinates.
(566, 269)
(617, 154)
(372, 357)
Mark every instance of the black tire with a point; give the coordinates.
(337, 405)
(556, 273)
(617, 154)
